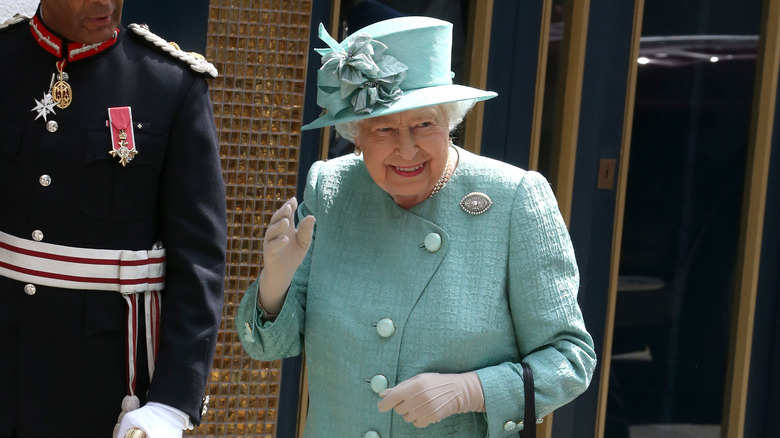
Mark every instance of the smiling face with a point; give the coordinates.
(405, 153)
(84, 21)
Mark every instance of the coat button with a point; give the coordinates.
(52, 126)
(37, 235)
(29, 289)
(371, 434)
(378, 383)
(385, 327)
(45, 180)
(510, 426)
(433, 242)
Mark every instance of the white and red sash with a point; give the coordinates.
(127, 272)
(81, 268)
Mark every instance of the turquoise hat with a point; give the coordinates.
(385, 68)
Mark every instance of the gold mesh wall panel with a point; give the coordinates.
(260, 49)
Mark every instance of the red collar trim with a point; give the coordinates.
(53, 44)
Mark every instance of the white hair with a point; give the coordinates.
(453, 111)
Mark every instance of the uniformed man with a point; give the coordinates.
(112, 227)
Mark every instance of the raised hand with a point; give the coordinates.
(284, 248)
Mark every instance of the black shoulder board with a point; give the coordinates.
(13, 22)
(196, 61)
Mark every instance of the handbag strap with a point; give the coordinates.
(529, 416)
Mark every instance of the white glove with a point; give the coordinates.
(284, 248)
(157, 420)
(430, 397)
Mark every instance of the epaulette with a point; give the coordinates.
(13, 22)
(196, 61)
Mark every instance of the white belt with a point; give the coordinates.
(69, 267)
(127, 272)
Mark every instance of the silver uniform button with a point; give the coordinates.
(378, 383)
(45, 180)
(510, 426)
(432, 242)
(52, 126)
(385, 327)
(371, 434)
(37, 235)
(29, 289)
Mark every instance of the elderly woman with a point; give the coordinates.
(431, 273)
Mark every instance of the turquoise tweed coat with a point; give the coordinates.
(502, 287)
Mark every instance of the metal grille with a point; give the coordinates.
(260, 49)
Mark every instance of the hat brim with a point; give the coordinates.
(412, 99)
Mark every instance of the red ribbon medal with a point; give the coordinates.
(120, 122)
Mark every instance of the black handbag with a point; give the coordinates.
(529, 416)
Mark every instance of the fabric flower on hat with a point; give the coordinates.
(361, 75)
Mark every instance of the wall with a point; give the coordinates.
(10, 7)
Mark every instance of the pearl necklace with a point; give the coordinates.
(447, 174)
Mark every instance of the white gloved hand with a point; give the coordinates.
(284, 248)
(430, 397)
(156, 419)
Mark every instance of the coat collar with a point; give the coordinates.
(70, 51)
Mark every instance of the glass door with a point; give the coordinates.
(683, 206)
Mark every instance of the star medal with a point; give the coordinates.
(122, 138)
(45, 106)
(61, 91)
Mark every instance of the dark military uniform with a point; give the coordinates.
(62, 350)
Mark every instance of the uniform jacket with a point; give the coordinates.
(63, 355)
(501, 287)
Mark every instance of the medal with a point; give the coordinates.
(46, 105)
(124, 153)
(122, 138)
(61, 91)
